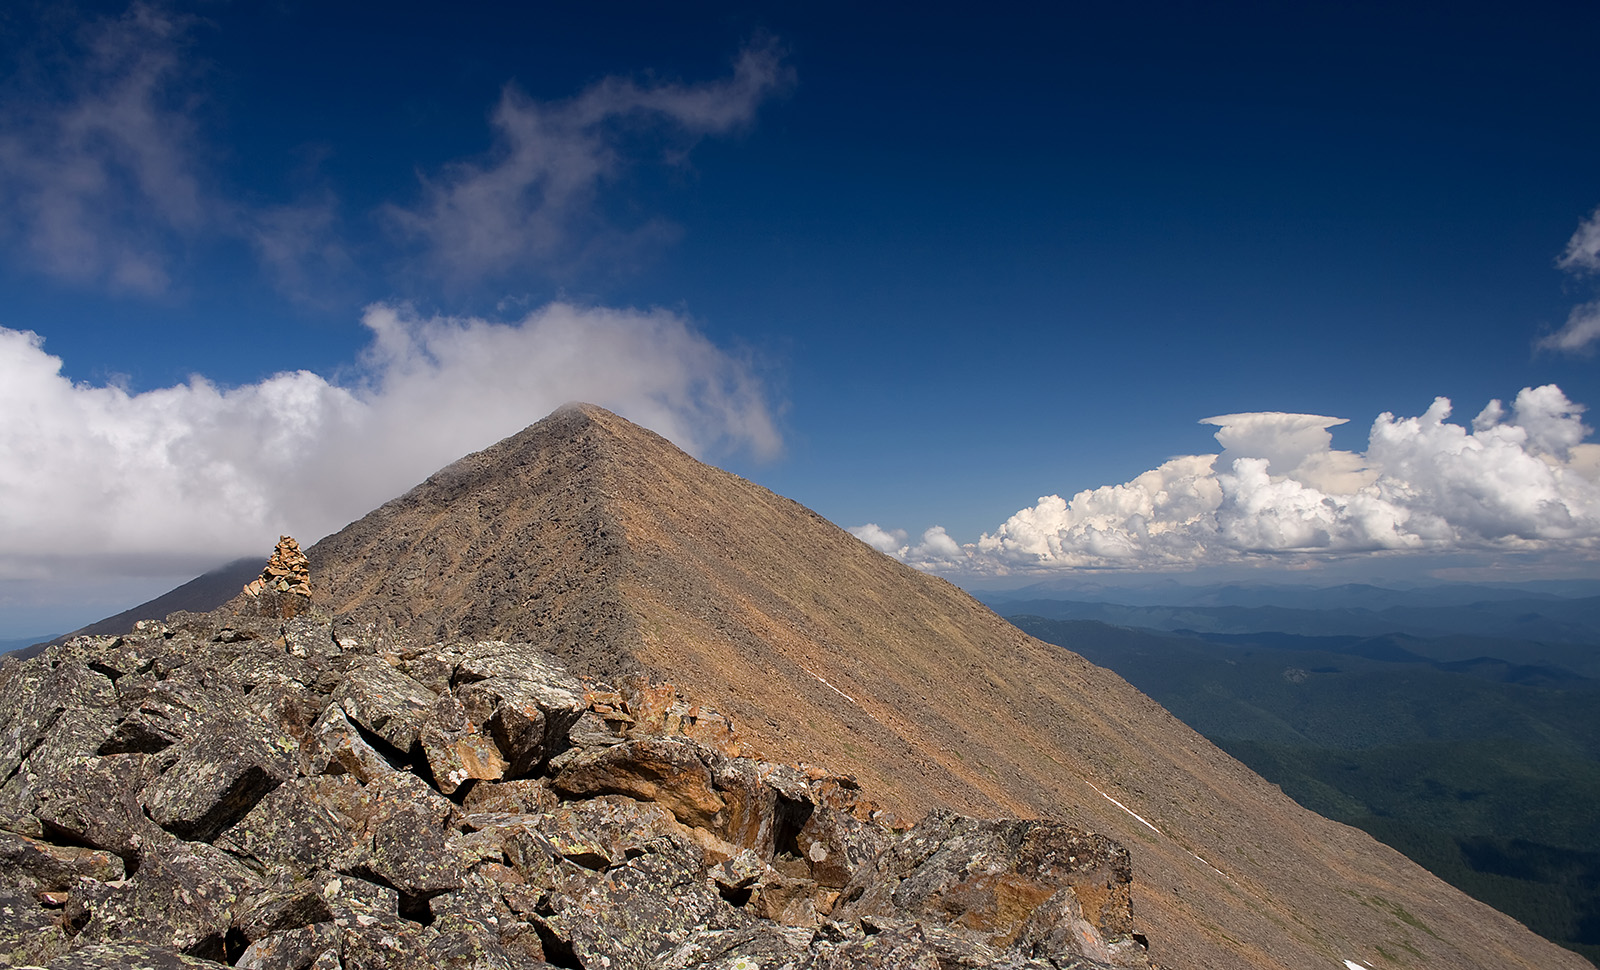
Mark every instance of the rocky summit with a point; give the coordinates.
(283, 794)
(458, 750)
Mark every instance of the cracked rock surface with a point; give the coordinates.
(307, 794)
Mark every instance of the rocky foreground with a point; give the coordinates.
(281, 794)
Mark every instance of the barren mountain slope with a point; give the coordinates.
(612, 548)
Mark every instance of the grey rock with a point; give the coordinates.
(838, 845)
(674, 772)
(522, 697)
(29, 933)
(34, 865)
(133, 955)
(456, 751)
(94, 801)
(408, 852)
(1069, 887)
(386, 702)
(183, 897)
(294, 826)
(216, 779)
(299, 948)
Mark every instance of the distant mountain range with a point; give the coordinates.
(1356, 596)
(1545, 619)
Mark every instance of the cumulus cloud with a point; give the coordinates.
(93, 477)
(1581, 258)
(935, 550)
(890, 541)
(1522, 478)
(523, 204)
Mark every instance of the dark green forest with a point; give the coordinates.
(1476, 756)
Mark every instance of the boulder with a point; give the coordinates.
(1042, 888)
(456, 751)
(386, 703)
(216, 779)
(522, 698)
(673, 772)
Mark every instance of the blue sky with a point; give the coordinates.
(913, 268)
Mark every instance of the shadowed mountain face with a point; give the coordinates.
(606, 545)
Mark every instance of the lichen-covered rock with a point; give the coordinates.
(30, 934)
(295, 826)
(310, 946)
(522, 697)
(133, 955)
(408, 852)
(182, 897)
(216, 779)
(1000, 881)
(387, 703)
(456, 752)
(527, 796)
(837, 845)
(34, 865)
(95, 801)
(629, 915)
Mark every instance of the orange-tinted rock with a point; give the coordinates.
(672, 772)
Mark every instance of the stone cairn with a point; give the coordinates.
(283, 589)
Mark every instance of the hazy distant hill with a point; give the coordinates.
(22, 643)
(1362, 596)
(1482, 768)
(1544, 618)
(205, 592)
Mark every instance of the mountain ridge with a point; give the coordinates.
(606, 545)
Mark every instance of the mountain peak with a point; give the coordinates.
(612, 549)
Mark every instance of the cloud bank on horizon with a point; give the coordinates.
(1522, 479)
(94, 478)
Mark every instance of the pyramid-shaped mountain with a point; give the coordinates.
(614, 550)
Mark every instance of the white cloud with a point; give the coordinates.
(1578, 334)
(884, 540)
(1279, 492)
(97, 479)
(1582, 254)
(107, 177)
(523, 205)
(1582, 329)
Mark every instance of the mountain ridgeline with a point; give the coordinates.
(612, 549)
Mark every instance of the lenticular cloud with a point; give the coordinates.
(1517, 479)
(195, 473)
